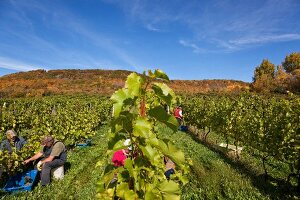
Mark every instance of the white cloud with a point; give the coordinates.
(150, 27)
(227, 26)
(66, 22)
(7, 63)
(265, 39)
(195, 48)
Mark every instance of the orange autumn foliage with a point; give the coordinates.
(96, 82)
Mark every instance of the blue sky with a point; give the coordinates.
(188, 39)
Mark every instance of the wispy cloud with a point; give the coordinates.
(225, 26)
(7, 63)
(151, 12)
(265, 39)
(150, 27)
(63, 21)
(195, 48)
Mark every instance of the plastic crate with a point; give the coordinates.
(87, 143)
(183, 128)
(21, 182)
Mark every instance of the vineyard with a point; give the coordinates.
(267, 129)
(69, 119)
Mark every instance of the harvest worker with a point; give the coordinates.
(178, 114)
(170, 167)
(120, 156)
(12, 140)
(54, 154)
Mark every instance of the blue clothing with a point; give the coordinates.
(169, 172)
(18, 144)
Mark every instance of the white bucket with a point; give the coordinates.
(58, 172)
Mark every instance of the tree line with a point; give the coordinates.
(280, 79)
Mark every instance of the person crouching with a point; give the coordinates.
(54, 155)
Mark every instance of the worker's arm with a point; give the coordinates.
(36, 156)
(49, 159)
(57, 149)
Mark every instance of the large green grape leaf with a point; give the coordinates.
(133, 84)
(129, 195)
(115, 141)
(128, 165)
(123, 122)
(163, 92)
(169, 190)
(152, 194)
(118, 145)
(168, 149)
(124, 192)
(118, 97)
(160, 114)
(161, 75)
(142, 128)
(152, 154)
(175, 154)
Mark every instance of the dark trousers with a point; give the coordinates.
(46, 170)
(168, 173)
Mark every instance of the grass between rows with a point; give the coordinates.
(214, 176)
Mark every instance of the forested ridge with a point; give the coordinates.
(97, 81)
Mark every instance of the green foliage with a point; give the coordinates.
(137, 112)
(267, 127)
(291, 62)
(67, 119)
(263, 80)
(81, 174)
(266, 67)
(211, 175)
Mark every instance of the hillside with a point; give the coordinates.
(101, 82)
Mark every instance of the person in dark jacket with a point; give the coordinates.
(54, 155)
(12, 141)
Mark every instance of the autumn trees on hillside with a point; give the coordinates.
(285, 77)
(96, 82)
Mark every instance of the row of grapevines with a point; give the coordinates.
(68, 119)
(270, 126)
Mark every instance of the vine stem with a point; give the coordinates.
(264, 159)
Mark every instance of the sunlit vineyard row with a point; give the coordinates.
(68, 119)
(268, 127)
